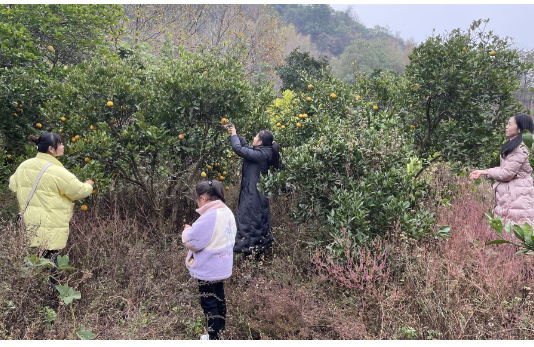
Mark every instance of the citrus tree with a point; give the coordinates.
(37, 43)
(460, 94)
(296, 63)
(455, 96)
(156, 127)
(346, 161)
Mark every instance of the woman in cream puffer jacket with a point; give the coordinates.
(514, 189)
(50, 209)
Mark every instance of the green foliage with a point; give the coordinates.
(138, 137)
(36, 40)
(297, 63)
(455, 96)
(347, 164)
(59, 34)
(461, 93)
(84, 333)
(408, 333)
(49, 316)
(332, 31)
(67, 294)
(368, 55)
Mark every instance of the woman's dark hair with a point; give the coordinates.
(46, 140)
(267, 138)
(524, 122)
(213, 189)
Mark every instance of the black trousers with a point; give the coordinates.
(213, 303)
(52, 256)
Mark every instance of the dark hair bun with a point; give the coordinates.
(33, 139)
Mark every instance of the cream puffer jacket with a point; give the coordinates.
(514, 189)
(50, 210)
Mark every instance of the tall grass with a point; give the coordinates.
(134, 283)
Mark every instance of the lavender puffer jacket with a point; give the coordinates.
(210, 241)
(514, 190)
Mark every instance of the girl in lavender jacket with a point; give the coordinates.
(210, 241)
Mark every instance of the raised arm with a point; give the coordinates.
(242, 149)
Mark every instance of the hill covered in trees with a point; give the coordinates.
(343, 39)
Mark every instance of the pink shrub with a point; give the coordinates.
(365, 268)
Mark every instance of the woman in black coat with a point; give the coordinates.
(254, 235)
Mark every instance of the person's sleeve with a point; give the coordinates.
(13, 182)
(509, 169)
(199, 234)
(245, 151)
(72, 187)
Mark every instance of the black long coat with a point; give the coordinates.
(254, 214)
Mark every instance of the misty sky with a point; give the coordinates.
(417, 21)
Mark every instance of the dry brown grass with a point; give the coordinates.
(134, 283)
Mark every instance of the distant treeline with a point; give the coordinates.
(343, 39)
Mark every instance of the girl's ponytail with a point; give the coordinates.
(267, 138)
(276, 156)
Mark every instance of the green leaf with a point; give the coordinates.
(85, 334)
(518, 232)
(67, 294)
(508, 228)
(443, 232)
(496, 224)
(529, 241)
(495, 242)
(477, 181)
(63, 263)
(527, 230)
(527, 138)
